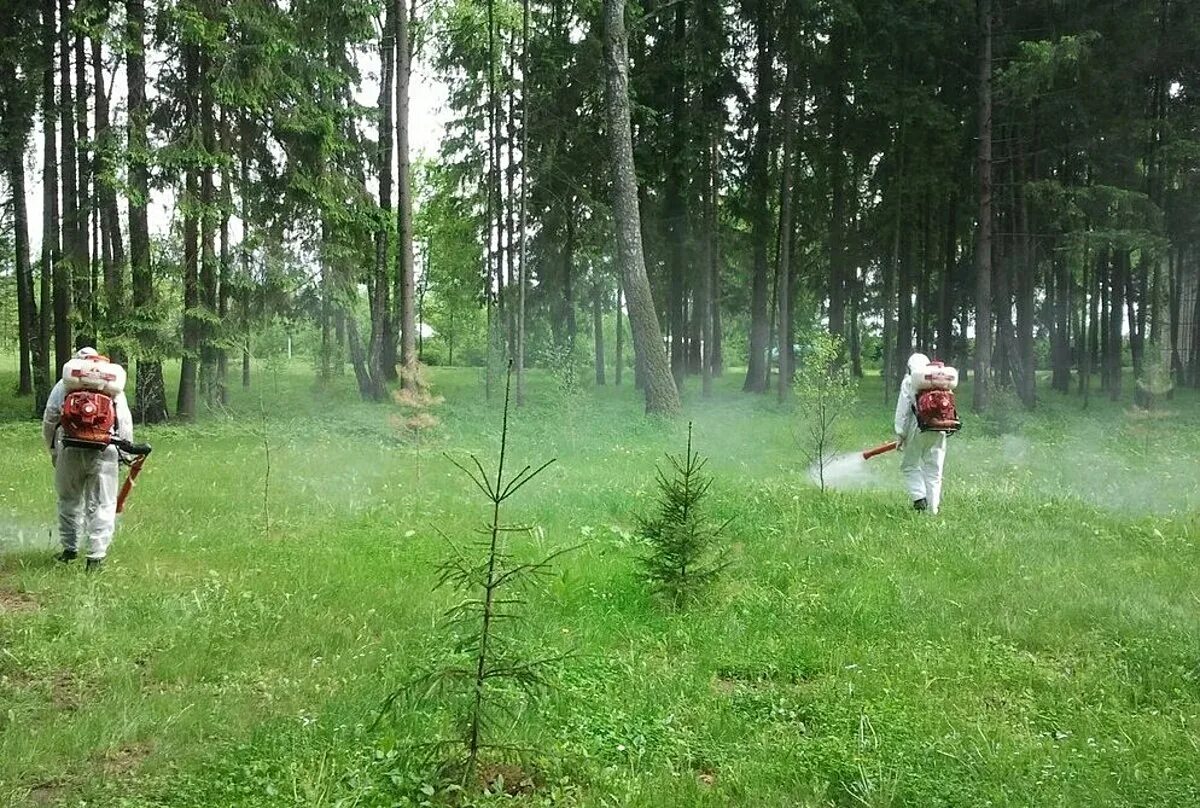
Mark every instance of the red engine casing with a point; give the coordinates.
(936, 411)
(88, 420)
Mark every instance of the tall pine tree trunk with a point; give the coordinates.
(1026, 287)
(82, 270)
(1086, 325)
(26, 304)
(662, 397)
(1003, 358)
(1098, 346)
(225, 258)
(568, 274)
(110, 219)
(892, 371)
(674, 200)
(404, 202)
(717, 357)
(837, 179)
(904, 308)
(84, 300)
(711, 36)
(1090, 334)
(1175, 309)
(150, 398)
(1119, 278)
(511, 212)
(185, 404)
(983, 248)
(245, 279)
(493, 285)
(1104, 350)
(1061, 379)
(381, 331)
(784, 255)
(1160, 274)
(1195, 338)
(522, 278)
(619, 357)
(704, 301)
(924, 342)
(51, 244)
(598, 330)
(208, 227)
(26, 307)
(946, 289)
(1136, 303)
(66, 269)
(760, 210)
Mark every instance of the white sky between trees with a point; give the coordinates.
(427, 127)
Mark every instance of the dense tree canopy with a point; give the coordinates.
(1013, 185)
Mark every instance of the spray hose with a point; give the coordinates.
(140, 451)
(890, 446)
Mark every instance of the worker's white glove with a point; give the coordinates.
(899, 441)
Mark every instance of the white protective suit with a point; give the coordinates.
(85, 479)
(923, 454)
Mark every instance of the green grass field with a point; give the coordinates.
(1038, 644)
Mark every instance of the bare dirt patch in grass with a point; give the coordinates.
(125, 758)
(13, 602)
(508, 778)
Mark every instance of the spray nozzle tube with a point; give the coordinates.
(883, 449)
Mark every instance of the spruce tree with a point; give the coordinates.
(683, 555)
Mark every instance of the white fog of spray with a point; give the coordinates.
(849, 471)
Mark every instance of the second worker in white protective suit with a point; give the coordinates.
(922, 454)
(84, 479)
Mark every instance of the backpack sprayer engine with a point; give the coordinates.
(89, 417)
(933, 390)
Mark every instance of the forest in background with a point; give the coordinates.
(1014, 186)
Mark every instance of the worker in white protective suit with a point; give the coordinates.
(922, 454)
(84, 479)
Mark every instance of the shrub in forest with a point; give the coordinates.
(825, 395)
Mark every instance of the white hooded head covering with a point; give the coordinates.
(84, 353)
(917, 361)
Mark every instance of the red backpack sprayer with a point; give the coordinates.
(89, 418)
(933, 386)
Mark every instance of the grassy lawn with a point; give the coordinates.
(1036, 644)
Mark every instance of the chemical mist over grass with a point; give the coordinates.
(1033, 645)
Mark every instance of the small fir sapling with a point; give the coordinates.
(488, 664)
(683, 555)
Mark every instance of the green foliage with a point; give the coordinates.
(683, 556)
(825, 394)
(451, 231)
(1041, 64)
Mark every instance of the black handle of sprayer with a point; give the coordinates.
(139, 449)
